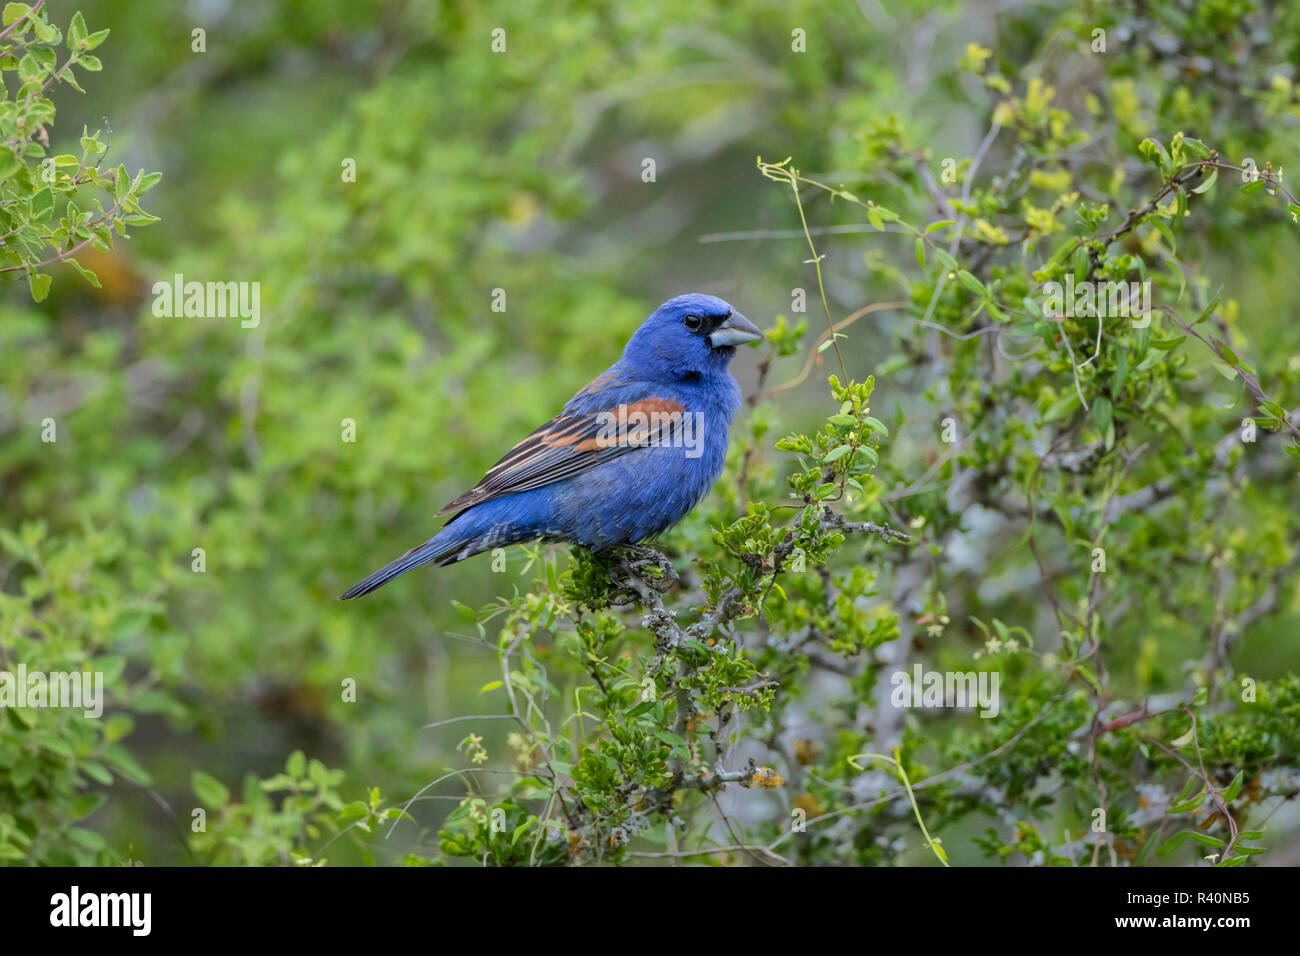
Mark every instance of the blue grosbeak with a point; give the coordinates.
(629, 456)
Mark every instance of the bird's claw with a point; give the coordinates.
(628, 572)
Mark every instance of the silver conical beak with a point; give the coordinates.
(734, 330)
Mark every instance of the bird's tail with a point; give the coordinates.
(437, 548)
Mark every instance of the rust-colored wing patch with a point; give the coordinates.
(570, 444)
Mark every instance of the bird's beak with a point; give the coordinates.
(735, 330)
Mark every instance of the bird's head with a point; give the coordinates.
(689, 336)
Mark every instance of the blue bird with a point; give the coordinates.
(629, 456)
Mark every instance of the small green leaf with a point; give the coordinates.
(209, 789)
(76, 32)
(1234, 788)
(972, 283)
(40, 285)
(147, 182)
(42, 203)
(1063, 406)
(14, 12)
(642, 708)
(1188, 805)
(1210, 180)
(1164, 230)
(1102, 413)
(9, 163)
(948, 261)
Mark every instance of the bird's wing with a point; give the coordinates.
(574, 442)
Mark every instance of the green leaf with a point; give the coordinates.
(30, 69)
(1173, 843)
(971, 283)
(642, 708)
(1154, 151)
(1227, 371)
(1063, 406)
(1209, 309)
(96, 772)
(121, 760)
(353, 811)
(9, 163)
(42, 203)
(1226, 353)
(46, 32)
(76, 32)
(1187, 789)
(14, 12)
(84, 804)
(86, 274)
(1210, 180)
(1188, 805)
(1102, 413)
(1234, 788)
(147, 182)
(209, 789)
(1164, 230)
(40, 285)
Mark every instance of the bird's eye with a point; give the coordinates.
(693, 322)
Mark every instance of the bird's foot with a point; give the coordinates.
(639, 567)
